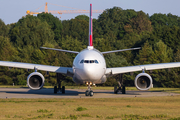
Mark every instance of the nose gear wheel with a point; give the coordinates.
(89, 92)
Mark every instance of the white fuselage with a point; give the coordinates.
(89, 66)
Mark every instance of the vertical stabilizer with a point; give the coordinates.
(90, 27)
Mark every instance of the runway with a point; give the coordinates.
(74, 93)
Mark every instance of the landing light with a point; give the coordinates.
(89, 83)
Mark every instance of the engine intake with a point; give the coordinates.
(35, 81)
(143, 81)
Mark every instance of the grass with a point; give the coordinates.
(80, 109)
(92, 108)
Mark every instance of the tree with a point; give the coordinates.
(54, 23)
(72, 44)
(7, 50)
(163, 53)
(141, 23)
(166, 28)
(177, 56)
(101, 44)
(113, 60)
(110, 24)
(82, 17)
(3, 29)
(31, 31)
(145, 56)
(77, 29)
(7, 53)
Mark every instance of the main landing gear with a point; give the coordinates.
(58, 88)
(89, 92)
(121, 87)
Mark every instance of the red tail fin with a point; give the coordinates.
(90, 27)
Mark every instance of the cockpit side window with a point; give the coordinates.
(96, 61)
(89, 61)
(82, 61)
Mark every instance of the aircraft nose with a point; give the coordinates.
(92, 73)
(88, 72)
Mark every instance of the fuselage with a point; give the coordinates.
(89, 66)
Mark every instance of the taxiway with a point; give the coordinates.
(75, 93)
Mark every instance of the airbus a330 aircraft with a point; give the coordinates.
(89, 67)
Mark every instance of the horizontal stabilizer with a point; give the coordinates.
(120, 50)
(60, 50)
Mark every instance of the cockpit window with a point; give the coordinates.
(82, 61)
(86, 61)
(96, 61)
(89, 61)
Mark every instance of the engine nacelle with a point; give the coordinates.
(143, 81)
(35, 81)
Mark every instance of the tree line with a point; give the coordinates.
(115, 29)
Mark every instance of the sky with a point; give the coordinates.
(13, 10)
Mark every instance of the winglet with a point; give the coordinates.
(90, 27)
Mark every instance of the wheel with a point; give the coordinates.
(115, 89)
(87, 93)
(63, 89)
(91, 93)
(55, 89)
(123, 90)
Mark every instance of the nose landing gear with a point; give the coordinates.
(89, 92)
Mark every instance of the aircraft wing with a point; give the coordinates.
(63, 70)
(119, 70)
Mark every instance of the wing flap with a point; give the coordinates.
(63, 70)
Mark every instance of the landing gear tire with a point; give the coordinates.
(55, 89)
(87, 93)
(91, 93)
(115, 90)
(63, 89)
(123, 90)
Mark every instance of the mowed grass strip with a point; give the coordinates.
(92, 108)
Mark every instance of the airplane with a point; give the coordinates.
(89, 67)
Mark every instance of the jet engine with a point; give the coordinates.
(35, 81)
(143, 81)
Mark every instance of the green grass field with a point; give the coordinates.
(152, 108)
(92, 108)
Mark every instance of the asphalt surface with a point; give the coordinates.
(74, 93)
